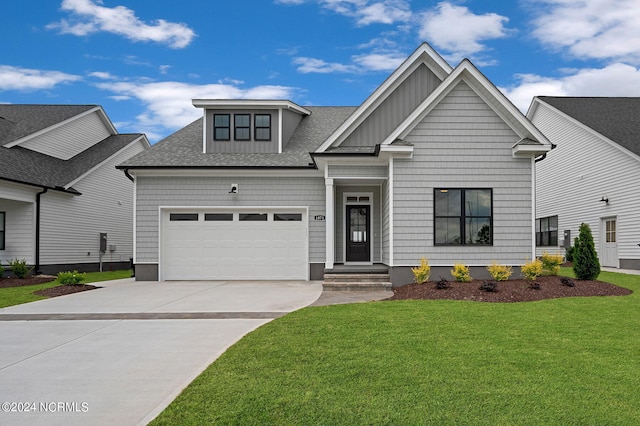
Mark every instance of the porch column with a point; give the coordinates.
(329, 223)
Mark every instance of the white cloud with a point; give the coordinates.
(380, 61)
(313, 65)
(102, 75)
(168, 104)
(375, 61)
(460, 32)
(15, 78)
(90, 16)
(365, 12)
(614, 80)
(590, 29)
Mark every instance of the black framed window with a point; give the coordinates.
(547, 231)
(262, 124)
(2, 229)
(218, 217)
(183, 217)
(242, 127)
(221, 127)
(287, 217)
(463, 216)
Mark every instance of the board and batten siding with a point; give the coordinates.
(243, 147)
(393, 110)
(71, 224)
(290, 121)
(19, 231)
(70, 139)
(154, 192)
(462, 143)
(577, 174)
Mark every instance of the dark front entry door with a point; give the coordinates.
(358, 235)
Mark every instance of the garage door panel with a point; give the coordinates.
(240, 250)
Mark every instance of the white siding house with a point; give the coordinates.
(59, 188)
(591, 176)
(435, 163)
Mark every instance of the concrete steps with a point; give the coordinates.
(356, 281)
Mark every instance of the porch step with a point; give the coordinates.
(356, 281)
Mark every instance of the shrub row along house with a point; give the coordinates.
(591, 177)
(435, 163)
(60, 190)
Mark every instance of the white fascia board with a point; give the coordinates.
(141, 138)
(249, 104)
(485, 89)
(424, 54)
(528, 150)
(226, 172)
(587, 129)
(97, 109)
(398, 151)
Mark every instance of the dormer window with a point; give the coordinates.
(221, 127)
(262, 127)
(242, 127)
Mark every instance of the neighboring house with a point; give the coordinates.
(59, 188)
(436, 162)
(591, 177)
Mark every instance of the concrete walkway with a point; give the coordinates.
(119, 355)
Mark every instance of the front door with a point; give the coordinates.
(609, 244)
(358, 233)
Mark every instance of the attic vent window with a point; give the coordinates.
(221, 127)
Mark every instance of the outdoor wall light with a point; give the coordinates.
(604, 199)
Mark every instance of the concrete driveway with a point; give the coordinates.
(121, 354)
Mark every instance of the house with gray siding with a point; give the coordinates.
(591, 177)
(435, 163)
(60, 190)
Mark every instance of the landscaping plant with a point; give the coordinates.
(461, 273)
(1, 270)
(499, 272)
(422, 272)
(442, 284)
(532, 270)
(71, 278)
(489, 287)
(551, 262)
(585, 259)
(19, 268)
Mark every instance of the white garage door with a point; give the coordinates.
(238, 245)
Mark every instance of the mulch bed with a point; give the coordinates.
(551, 287)
(60, 290)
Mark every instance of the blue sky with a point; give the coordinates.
(144, 61)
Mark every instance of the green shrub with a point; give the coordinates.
(19, 268)
(551, 262)
(422, 272)
(569, 253)
(1, 270)
(71, 278)
(532, 270)
(499, 272)
(461, 273)
(585, 259)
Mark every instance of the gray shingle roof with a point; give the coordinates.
(20, 120)
(18, 164)
(616, 118)
(183, 149)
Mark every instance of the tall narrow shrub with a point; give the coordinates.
(585, 259)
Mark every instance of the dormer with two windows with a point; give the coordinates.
(248, 126)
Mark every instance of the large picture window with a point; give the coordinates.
(547, 231)
(463, 216)
(221, 127)
(2, 220)
(262, 127)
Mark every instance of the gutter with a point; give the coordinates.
(543, 156)
(38, 195)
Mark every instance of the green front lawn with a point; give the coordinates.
(18, 295)
(561, 361)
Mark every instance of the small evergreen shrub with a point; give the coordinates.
(489, 287)
(585, 259)
(534, 285)
(532, 270)
(71, 278)
(19, 268)
(569, 253)
(461, 273)
(499, 272)
(1, 270)
(551, 262)
(568, 282)
(422, 272)
(442, 284)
